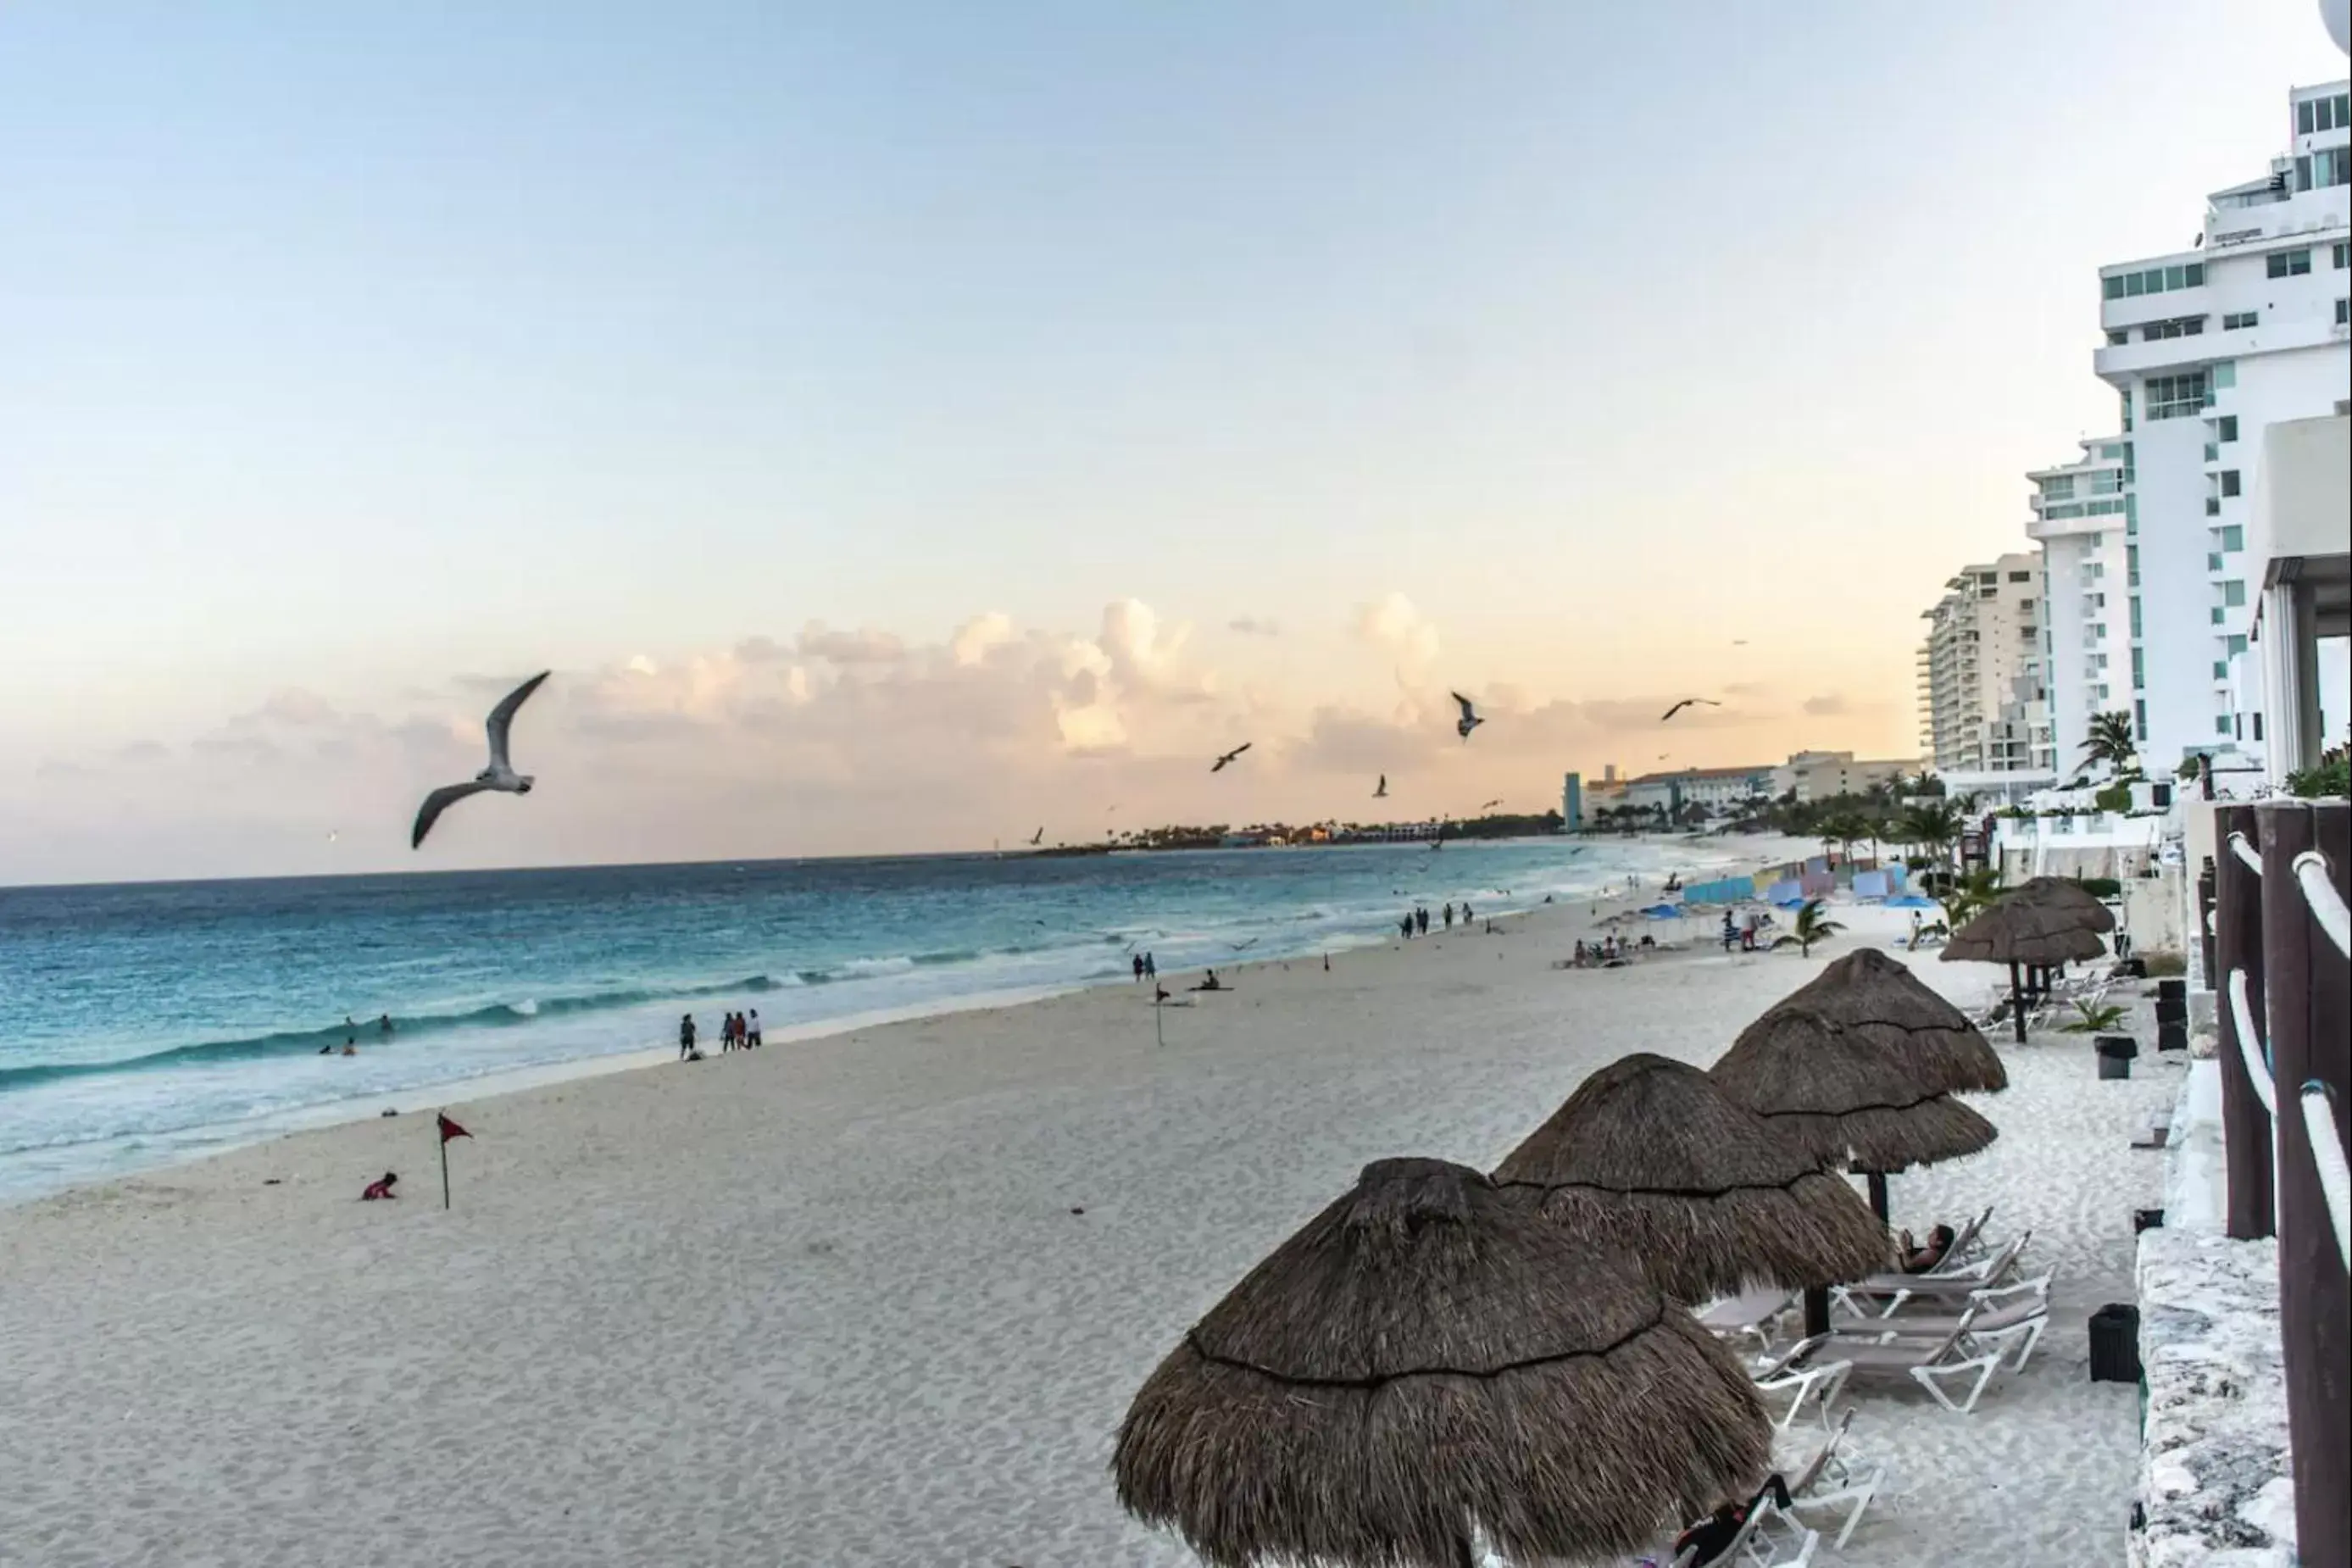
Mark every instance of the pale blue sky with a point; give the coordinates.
(351, 349)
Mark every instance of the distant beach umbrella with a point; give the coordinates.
(1877, 997)
(1650, 1154)
(1842, 1098)
(2022, 932)
(1429, 1361)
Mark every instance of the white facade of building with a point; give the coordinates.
(1982, 715)
(1825, 775)
(2205, 347)
(1718, 789)
(2302, 557)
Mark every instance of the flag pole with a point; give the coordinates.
(441, 1138)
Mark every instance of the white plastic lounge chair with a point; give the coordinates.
(1760, 1544)
(1881, 1294)
(1989, 1326)
(1832, 1478)
(1751, 1314)
(1930, 1364)
(1794, 1372)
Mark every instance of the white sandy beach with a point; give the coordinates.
(832, 1303)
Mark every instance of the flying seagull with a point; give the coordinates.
(1492, 803)
(1222, 762)
(1469, 719)
(1039, 837)
(1382, 792)
(499, 775)
(1686, 702)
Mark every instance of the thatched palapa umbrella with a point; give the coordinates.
(1842, 1098)
(1651, 1156)
(2060, 893)
(1878, 997)
(1427, 1361)
(2017, 931)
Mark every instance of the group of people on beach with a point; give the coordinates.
(1609, 951)
(1415, 921)
(1146, 967)
(737, 1032)
(1742, 931)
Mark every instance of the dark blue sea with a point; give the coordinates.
(147, 1023)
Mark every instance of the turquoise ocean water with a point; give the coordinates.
(143, 1024)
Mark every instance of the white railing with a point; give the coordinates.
(2319, 1121)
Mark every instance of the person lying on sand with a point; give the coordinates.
(381, 1189)
(1919, 1260)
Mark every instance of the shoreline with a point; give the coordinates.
(106, 1160)
(880, 1299)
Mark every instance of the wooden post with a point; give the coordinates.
(2016, 1001)
(2306, 983)
(2208, 900)
(1878, 1194)
(2238, 944)
(445, 1166)
(1817, 1311)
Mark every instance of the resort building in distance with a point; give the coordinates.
(1983, 718)
(2149, 575)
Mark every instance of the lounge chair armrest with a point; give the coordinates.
(2037, 1286)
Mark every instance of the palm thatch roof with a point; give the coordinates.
(1651, 1156)
(1842, 1098)
(1878, 997)
(1428, 1357)
(2071, 897)
(2018, 930)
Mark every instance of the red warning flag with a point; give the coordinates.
(450, 1129)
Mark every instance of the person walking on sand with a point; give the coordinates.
(1421, 919)
(1405, 925)
(751, 1031)
(1448, 917)
(1465, 911)
(1150, 968)
(1139, 969)
(686, 1038)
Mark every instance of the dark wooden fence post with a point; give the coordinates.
(2208, 899)
(2306, 981)
(2238, 944)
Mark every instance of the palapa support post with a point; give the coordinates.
(1877, 1194)
(1817, 1310)
(2252, 1207)
(2016, 1001)
(2306, 980)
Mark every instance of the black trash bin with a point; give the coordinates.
(2115, 1344)
(2116, 1054)
(2147, 1219)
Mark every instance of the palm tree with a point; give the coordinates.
(1970, 897)
(1844, 826)
(2110, 741)
(1812, 926)
(1934, 825)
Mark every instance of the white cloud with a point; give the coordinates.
(1393, 625)
(976, 637)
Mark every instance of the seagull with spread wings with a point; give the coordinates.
(1469, 719)
(1686, 702)
(499, 775)
(1226, 761)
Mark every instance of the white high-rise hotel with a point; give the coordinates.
(2147, 603)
